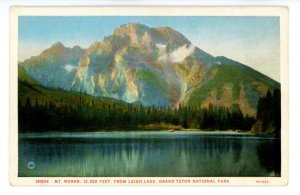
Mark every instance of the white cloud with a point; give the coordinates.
(69, 68)
(163, 56)
(161, 46)
(181, 53)
(177, 55)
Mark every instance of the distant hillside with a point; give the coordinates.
(55, 67)
(29, 88)
(231, 82)
(24, 77)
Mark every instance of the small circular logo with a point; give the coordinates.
(30, 165)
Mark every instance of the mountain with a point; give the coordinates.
(24, 77)
(29, 88)
(151, 66)
(231, 82)
(55, 67)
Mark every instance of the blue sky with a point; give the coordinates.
(254, 41)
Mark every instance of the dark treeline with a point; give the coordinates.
(268, 118)
(96, 115)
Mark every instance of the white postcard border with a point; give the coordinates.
(282, 12)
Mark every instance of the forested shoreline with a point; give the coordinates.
(86, 114)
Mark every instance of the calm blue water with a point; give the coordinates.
(148, 154)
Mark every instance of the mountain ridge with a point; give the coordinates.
(154, 66)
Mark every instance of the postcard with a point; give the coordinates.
(149, 96)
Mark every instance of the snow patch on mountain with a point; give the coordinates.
(69, 68)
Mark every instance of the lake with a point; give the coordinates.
(148, 154)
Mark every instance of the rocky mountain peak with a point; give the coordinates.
(154, 66)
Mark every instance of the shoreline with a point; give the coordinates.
(195, 131)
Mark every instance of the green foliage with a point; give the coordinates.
(222, 118)
(268, 118)
(23, 76)
(153, 80)
(222, 74)
(55, 116)
(42, 109)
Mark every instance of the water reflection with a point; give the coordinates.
(197, 155)
(269, 154)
